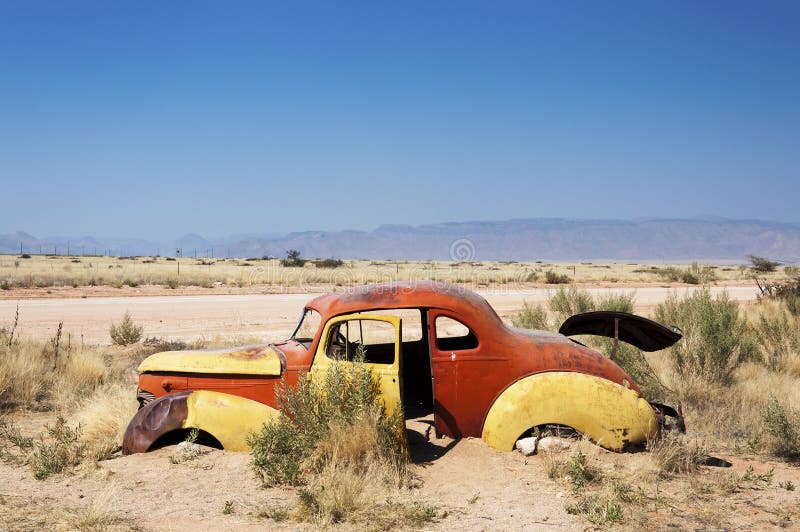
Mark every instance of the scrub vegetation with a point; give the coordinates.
(125, 274)
(735, 372)
(335, 440)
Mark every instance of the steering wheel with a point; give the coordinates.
(338, 340)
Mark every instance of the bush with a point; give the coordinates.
(329, 263)
(580, 471)
(57, 451)
(762, 264)
(568, 301)
(334, 437)
(126, 332)
(715, 339)
(600, 512)
(293, 259)
(694, 274)
(552, 277)
(615, 302)
(778, 338)
(531, 317)
(295, 443)
(783, 427)
(673, 454)
(786, 291)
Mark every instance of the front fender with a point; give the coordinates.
(229, 418)
(609, 414)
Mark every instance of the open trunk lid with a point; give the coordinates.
(642, 333)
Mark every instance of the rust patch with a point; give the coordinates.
(159, 417)
(250, 353)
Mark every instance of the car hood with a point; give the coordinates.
(246, 360)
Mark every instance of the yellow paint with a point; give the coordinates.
(229, 418)
(606, 412)
(387, 375)
(260, 360)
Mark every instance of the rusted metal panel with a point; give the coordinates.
(153, 421)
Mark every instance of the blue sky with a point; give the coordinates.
(155, 119)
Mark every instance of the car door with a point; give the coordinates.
(452, 343)
(379, 334)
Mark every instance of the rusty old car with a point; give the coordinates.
(437, 349)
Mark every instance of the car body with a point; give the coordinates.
(435, 348)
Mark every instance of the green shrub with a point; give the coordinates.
(778, 338)
(715, 339)
(288, 448)
(329, 263)
(792, 302)
(293, 259)
(552, 277)
(615, 302)
(531, 317)
(580, 471)
(783, 427)
(694, 274)
(14, 447)
(762, 264)
(598, 511)
(334, 438)
(56, 452)
(570, 300)
(126, 332)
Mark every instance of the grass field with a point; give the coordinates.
(44, 271)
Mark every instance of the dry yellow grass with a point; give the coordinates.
(103, 417)
(46, 271)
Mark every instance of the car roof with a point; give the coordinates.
(403, 294)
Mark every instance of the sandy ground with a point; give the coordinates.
(269, 316)
(147, 492)
(471, 486)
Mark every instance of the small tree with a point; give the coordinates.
(293, 259)
(126, 332)
(762, 264)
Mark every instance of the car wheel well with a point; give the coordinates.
(552, 429)
(174, 437)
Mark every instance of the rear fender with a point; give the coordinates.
(609, 414)
(229, 418)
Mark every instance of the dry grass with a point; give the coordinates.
(677, 454)
(25, 375)
(103, 417)
(44, 271)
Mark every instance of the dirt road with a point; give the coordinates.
(269, 316)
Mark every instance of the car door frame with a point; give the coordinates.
(388, 375)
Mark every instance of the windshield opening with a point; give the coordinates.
(307, 327)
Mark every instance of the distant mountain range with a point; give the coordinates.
(522, 240)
